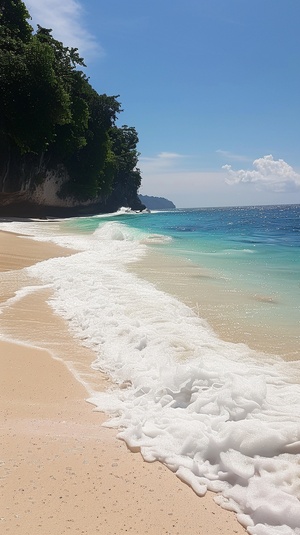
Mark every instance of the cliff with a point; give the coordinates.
(61, 152)
(31, 186)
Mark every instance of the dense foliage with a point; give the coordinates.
(49, 107)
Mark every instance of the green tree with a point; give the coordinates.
(124, 146)
(48, 107)
(14, 26)
(34, 100)
(92, 168)
(69, 134)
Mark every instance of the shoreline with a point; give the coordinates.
(61, 471)
(204, 293)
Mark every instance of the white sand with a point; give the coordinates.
(60, 471)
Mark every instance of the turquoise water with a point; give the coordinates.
(219, 414)
(253, 253)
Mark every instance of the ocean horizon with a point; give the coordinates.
(194, 314)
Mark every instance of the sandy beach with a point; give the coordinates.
(61, 471)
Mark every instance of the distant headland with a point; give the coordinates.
(156, 203)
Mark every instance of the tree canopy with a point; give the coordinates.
(49, 107)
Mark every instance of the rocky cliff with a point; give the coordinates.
(31, 186)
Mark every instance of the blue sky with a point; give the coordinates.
(212, 87)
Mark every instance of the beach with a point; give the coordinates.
(222, 308)
(61, 470)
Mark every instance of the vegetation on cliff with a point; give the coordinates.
(156, 203)
(50, 112)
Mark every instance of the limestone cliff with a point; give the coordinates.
(31, 185)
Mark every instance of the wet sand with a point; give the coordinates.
(60, 470)
(229, 313)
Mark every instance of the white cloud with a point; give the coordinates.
(231, 156)
(168, 175)
(163, 161)
(267, 174)
(186, 188)
(65, 17)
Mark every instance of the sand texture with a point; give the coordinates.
(60, 470)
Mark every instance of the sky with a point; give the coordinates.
(211, 86)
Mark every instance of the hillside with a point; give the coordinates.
(156, 203)
(61, 151)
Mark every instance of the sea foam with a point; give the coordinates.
(219, 415)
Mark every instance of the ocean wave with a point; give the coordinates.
(124, 210)
(156, 239)
(113, 231)
(217, 414)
